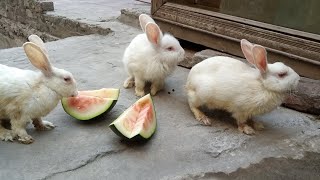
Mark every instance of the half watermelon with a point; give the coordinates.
(138, 122)
(90, 104)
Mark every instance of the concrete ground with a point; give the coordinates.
(182, 148)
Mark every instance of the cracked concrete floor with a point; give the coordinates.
(181, 148)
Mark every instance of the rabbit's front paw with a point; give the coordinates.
(25, 139)
(128, 83)
(258, 126)
(46, 125)
(139, 93)
(156, 86)
(244, 128)
(42, 125)
(154, 91)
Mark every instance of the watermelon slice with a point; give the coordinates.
(138, 122)
(90, 104)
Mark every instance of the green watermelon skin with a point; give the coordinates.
(147, 105)
(106, 97)
(138, 137)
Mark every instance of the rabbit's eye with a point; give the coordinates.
(283, 74)
(67, 79)
(170, 48)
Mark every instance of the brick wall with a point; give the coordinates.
(20, 18)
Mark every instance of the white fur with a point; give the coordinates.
(229, 84)
(26, 96)
(146, 60)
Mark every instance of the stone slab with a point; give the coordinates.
(181, 148)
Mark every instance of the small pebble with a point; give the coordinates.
(173, 90)
(168, 92)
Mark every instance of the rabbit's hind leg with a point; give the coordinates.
(194, 106)
(18, 126)
(5, 134)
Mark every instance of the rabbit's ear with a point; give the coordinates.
(144, 20)
(154, 33)
(38, 58)
(38, 41)
(246, 48)
(260, 57)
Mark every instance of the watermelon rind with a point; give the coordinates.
(109, 94)
(138, 133)
(105, 108)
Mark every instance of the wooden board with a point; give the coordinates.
(299, 50)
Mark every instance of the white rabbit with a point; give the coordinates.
(229, 84)
(26, 96)
(151, 57)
